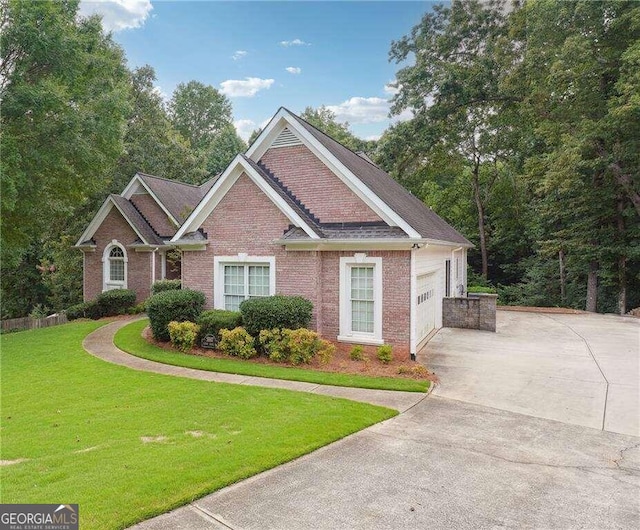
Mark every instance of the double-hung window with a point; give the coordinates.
(241, 277)
(361, 299)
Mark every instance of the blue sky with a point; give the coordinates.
(264, 55)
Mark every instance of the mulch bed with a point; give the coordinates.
(555, 310)
(340, 363)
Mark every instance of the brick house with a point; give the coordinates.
(300, 214)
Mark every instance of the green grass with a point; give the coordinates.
(80, 422)
(130, 340)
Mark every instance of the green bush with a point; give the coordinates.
(290, 312)
(183, 334)
(385, 354)
(137, 309)
(212, 321)
(357, 353)
(295, 346)
(93, 310)
(181, 305)
(481, 289)
(76, 311)
(165, 285)
(237, 343)
(115, 302)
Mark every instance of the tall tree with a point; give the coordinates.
(199, 112)
(325, 120)
(223, 149)
(453, 89)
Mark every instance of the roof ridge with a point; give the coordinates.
(173, 181)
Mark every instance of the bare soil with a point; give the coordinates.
(340, 363)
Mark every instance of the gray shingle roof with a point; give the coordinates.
(136, 219)
(359, 232)
(177, 197)
(419, 216)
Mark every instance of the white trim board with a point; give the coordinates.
(130, 189)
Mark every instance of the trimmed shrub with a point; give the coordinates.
(274, 344)
(473, 289)
(357, 353)
(165, 285)
(271, 312)
(76, 311)
(212, 321)
(237, 343)
(137, 309)
(115, 302)
(93, 310)
(179, 305)
(183, 334)
(295, 346)
(385, 354)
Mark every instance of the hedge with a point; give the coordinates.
(212, 321)
(109, 303)
(165, 285)
(177, 305)
(291, 312)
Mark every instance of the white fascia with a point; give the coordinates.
(129, 192)
(224, 184)
(275, 126)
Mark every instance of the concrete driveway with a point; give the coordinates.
(580, 369)
(443, 464)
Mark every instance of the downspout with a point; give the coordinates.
(153, 266)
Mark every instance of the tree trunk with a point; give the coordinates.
(563, 279)
(481, 229)
(622, 263)
(592, 287)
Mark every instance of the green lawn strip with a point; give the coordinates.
(129, 339)
(127, 445)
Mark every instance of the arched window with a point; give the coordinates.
(115, 267)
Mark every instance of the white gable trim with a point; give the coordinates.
(284, 119)
(224, 184)
(99, 219)
(130, 189)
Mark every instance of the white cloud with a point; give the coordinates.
(361, 110)
(117, 14)
(293, 70)
(244, 128)
(373, 137)
(390, 89)
(239, 54)
(247, 87)
(157, 89)
(294, 42)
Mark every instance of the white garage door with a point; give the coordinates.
(426, 311)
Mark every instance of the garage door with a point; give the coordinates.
(426, 311)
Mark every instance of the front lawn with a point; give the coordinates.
(128, 445)
(129, 339)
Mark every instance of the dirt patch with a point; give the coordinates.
(555, 310)
(153, 439)
(12, 462)
(341, 363)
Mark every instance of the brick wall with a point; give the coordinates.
(149, 208)
(478, 311)
(138, 267)
(328, 198)
(246, 221)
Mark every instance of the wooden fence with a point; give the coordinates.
(16, 324)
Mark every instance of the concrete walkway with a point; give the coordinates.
(581, 369)
(100, 344)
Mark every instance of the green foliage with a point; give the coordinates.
(64, 101)
(115, 302)
(199, 112)
(165, 285)
(183, 335)
(278, 311)
(137, 309)
(237, 343)
(325, 120)
(76, 311)
(357, 353)
(481, 289)
(177, 305)
(213, 320)
(385, 353)
(295, 346)
(223, 149)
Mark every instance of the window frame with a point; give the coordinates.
(219, 263)
(107, 283)
(347, 334)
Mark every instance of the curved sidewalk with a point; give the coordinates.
(100, 344)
